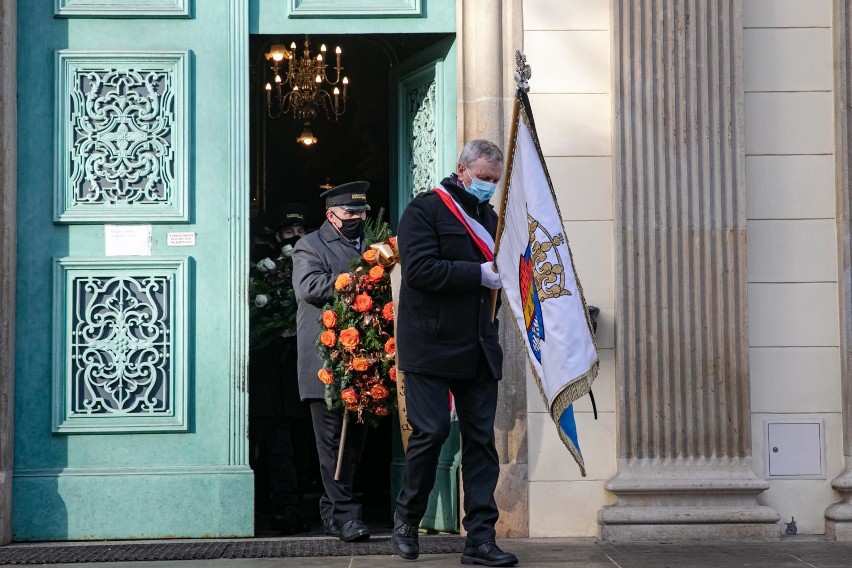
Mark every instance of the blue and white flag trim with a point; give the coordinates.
(540, 283)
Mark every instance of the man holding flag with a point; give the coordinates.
(447, 341)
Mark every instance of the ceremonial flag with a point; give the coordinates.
(539, 280)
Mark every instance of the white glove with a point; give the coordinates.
(489, 276)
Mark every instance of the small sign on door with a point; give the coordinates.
(127, 240)
(181, 239)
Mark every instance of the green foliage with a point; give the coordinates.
(272, 308)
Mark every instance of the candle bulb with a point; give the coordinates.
(268, 94)
(292, 45)
(345, 85)
(338, 51)
(319, 58)
(336, 98)
(318, 79)
(322, 48)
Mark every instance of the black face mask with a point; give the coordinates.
(352, 228)
(290, 241)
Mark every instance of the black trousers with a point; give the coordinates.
(271, 437)
(338, 501)
(428, 413)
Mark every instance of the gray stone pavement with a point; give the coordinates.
(792, 552)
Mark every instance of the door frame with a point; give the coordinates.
(8, 256)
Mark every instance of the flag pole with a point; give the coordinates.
(510, 158)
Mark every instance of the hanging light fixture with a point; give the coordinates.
(307, 137)
(304, 89)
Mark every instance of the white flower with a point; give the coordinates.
(266, 265)
(261, 300)
(287, 250)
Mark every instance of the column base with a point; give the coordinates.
(838, 517)
(687, 500)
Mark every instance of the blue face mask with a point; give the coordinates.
(482, 190)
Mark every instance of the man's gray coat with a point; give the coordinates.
(318, 259)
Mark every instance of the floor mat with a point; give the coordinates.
(52, 553)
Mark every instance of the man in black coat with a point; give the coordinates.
(447, 341)
(275, 411)
(318, 259)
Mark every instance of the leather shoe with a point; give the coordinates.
(488, 554)
(404, 539)
(331, 527)
(354, 531)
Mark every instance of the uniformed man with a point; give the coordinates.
(317, 261)
(274, 404)
(447, 341)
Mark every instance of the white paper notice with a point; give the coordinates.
(182, 239)
(127, 240)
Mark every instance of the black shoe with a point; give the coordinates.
(331, 527)
(354, 531)
(404, 539)
(488, 554)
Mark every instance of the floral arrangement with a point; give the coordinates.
(272, 312)
(357, 345)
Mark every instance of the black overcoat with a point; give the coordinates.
(444, 325)
(318, 258)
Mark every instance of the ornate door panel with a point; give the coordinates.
(130, 409)
(423, 139)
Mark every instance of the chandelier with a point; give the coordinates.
(304, 89)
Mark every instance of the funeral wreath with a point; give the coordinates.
(357, 345)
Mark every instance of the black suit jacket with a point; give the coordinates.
(444, 325)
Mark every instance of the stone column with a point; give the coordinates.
(8, 257)
(838, 522)
(684, 447)
(489, 32)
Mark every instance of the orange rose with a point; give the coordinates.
(329, 318)
(392, 373)
(328, 338)
(363, 302)
(390, 346)
(392, 242)
(360, 364)
(376, 274)
(343, 282)
(370, 256)
(349, 396)
(349, 338)
(379, 392)
(381, 411)
(387, 311)
(325, 376)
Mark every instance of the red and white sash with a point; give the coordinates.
(480, 235)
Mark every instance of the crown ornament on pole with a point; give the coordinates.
(523, 72)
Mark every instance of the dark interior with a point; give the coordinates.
(355, 147)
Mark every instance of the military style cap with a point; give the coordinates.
(350, 196)
(288, 215)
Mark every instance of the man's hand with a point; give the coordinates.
(490, 278)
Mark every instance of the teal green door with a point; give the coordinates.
(424, 151)
(130, 399)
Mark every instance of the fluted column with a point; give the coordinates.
(839, 516)
(684, 448)
(489, 32)
(8, 257)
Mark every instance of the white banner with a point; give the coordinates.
(542, 289)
